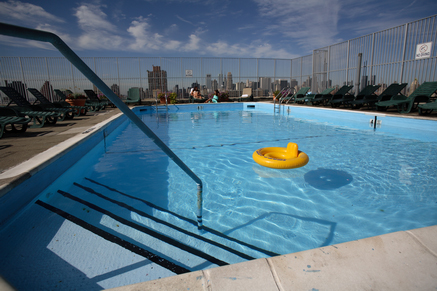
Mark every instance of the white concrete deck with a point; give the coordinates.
(405, 260)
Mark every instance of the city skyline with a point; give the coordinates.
(247, 28)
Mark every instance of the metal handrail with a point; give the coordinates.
(57, 42)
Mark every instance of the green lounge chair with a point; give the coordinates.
(94, 101)
(302, 92)
(9, 116)
(133, 96)
(317, 98)
(407, 104)
(366, 94)
(392, 90)
(67, 112)
(340, 96)
(80, 110)
(38, 115)
(427, 108)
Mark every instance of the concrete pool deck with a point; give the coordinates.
(404, 260)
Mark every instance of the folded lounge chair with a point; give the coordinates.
(361, 98)
(302, 92)
(407, 104)
(67, 112)
(38, 115)
(317, 98)
(10, 117)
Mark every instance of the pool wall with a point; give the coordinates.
(18, 194)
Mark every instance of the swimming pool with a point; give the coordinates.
(360, 181)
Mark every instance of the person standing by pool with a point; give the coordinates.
(214, 99)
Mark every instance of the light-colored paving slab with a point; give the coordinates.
(405, 260)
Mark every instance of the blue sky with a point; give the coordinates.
(209, 28)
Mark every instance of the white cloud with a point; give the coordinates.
(256, 50)
(144, 39)
(90, 18)
(25, 13)
(193, 44)
(312, 24)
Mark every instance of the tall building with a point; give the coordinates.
(116, 89)
(229, 84)
(47, 90)
(214, 85)
(220, 80)
(208, 81)
(264, 83)
(157, 79)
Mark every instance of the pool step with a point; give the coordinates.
(242, 250)
(146, 229)
(139, 238)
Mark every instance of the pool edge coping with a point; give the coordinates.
(25, 170)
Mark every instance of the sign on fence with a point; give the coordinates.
(188, 73)
(423, 50)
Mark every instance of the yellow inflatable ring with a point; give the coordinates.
(281, 158)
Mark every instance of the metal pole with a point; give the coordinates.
(401, 77)
(27, 33)
(358, 73)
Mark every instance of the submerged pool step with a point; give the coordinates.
(166, 251)
(235, 246)
(140, 228)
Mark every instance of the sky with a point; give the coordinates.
(282, 29)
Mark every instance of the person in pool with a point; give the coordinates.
(214, 99)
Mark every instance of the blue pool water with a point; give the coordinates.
(360, 181)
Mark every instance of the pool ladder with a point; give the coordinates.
(283, 93)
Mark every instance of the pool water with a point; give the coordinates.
(360, 182)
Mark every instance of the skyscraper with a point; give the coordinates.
(220, 80)
(208, 81)
(229, 84)
(157, 79)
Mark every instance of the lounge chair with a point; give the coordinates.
(361, 98)
(302, 92)
(427, 108)
(317, 98)
(8, 116)
(80, 110)
(392, 90)
(407, 104)
(38, 115)
(94, 100)
(246, 96)
(341, 96)
(67, 112)
(133, 96)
